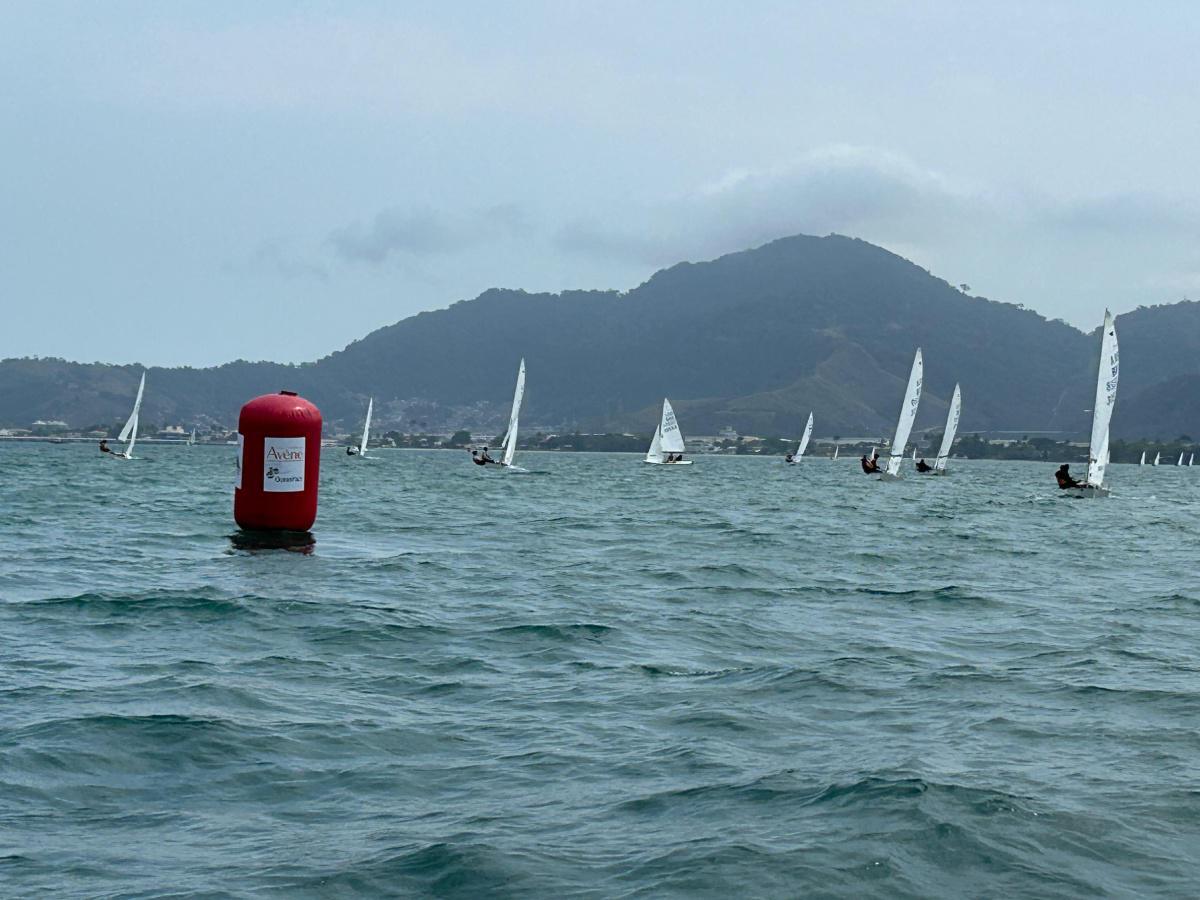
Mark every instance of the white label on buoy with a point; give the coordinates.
(283, 464)
(241, 443)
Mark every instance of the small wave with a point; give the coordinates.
(440, 869)
(1185, 699)
(155, 725)
(670, 672)
(575, 632)
(1173, 602)
(876, 791)
(728, 569)
(951, 593)
(203, 601)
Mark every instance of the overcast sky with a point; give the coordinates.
(194, 183)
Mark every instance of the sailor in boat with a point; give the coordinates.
(870, 466)
(104, 448)
(352, 451)
(790, 458)
(923, 466)
(481, 458)
(1064, 479)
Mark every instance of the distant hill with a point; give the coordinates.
(753, 339)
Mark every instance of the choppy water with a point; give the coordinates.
(599, 679)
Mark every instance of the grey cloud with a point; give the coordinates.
(273, 257)
(869, 193)
(844, 189)
(423, 231)
(1128, 212)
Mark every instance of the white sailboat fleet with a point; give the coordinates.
(908, 414)
(666, 448)
(1107, 376)
(129, 432)
(1191, 458)
(799, 454)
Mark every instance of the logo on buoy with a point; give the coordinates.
(283, 464)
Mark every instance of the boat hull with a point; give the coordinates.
(655, 462)
(1087, 493)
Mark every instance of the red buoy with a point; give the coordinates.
(279, 463)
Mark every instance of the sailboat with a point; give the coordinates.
(1107, 376)
(1191, 458)
(668, 440)
(362, 446)
(908, 414)
(836, 448)
(943, 457)
(799, 454)
(129, 432)
(510, 437)
(191, 441)
(1157, 457)
(1143, 459)
(1179, 462)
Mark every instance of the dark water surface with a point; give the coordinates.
(599, 679)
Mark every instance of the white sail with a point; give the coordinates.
(510, 438)
(655, 453)
(129, 432)
(362, 447)
(1106, 394)
(132, 421)
(670, 436)
(951, 431)
(1179, 462)
(1143, 460)
(192, 438)
(1191, 459)
(914, 458)
(908, 414)
(836, 448)
(133, 433)
(805, 439)
(1157, 457)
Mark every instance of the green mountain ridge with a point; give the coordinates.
(753, 339)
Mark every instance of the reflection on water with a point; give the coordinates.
(256, 541)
